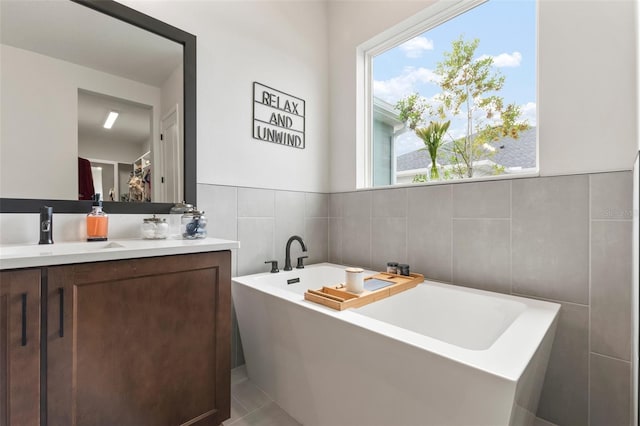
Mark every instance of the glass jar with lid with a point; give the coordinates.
(175, 218)
(194, 225)
(155, 228)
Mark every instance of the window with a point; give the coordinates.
(454, 95)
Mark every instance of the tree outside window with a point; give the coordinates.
(483, 87)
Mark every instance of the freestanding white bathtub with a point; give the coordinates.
(434, 355)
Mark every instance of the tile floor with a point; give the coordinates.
(250, 406)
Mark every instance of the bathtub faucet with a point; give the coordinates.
(287, 259)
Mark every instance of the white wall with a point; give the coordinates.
(587, 86)
(281, 44)
(587, 102)
(39, 115)
(120, 151)
(171, 93)
(350, 24)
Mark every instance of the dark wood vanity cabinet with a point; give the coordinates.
(20, 347)
(139, 342)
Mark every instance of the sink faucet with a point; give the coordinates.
(287, 259)
(46, 225)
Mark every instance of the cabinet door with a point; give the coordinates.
(20, 347)
(140, 342)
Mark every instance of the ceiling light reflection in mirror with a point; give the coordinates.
(111, 119)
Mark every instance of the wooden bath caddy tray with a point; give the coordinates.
(337, 297)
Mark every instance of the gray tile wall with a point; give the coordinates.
(565, 239)
(263, 220)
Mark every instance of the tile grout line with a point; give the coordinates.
(565, 302)
(504, 219)
(237, 231)
(510, 237)
(342, 222)
(339, 224)
(273, 227)
(451, 235)
(269, 400)
(252, 411)
(241, 405)
(589, 306)
(328, 233)
(249, 412)
(370, 231)
(406, 226)
(613, 358)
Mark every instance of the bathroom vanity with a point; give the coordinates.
(119, 334)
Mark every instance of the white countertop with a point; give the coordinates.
(33, 255)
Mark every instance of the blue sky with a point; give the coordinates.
(507, 32)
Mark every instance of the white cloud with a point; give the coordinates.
(528, 112)
(407, 142)
(395, 88)
(414, 47)
(506, 59)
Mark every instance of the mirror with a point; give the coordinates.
(57, 94)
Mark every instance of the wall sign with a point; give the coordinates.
(277, 116)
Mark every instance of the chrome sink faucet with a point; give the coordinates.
(287, 259)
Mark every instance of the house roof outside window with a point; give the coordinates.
(510, 153)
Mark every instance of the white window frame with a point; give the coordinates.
(417, 24)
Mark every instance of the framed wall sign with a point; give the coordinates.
(278, 117)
